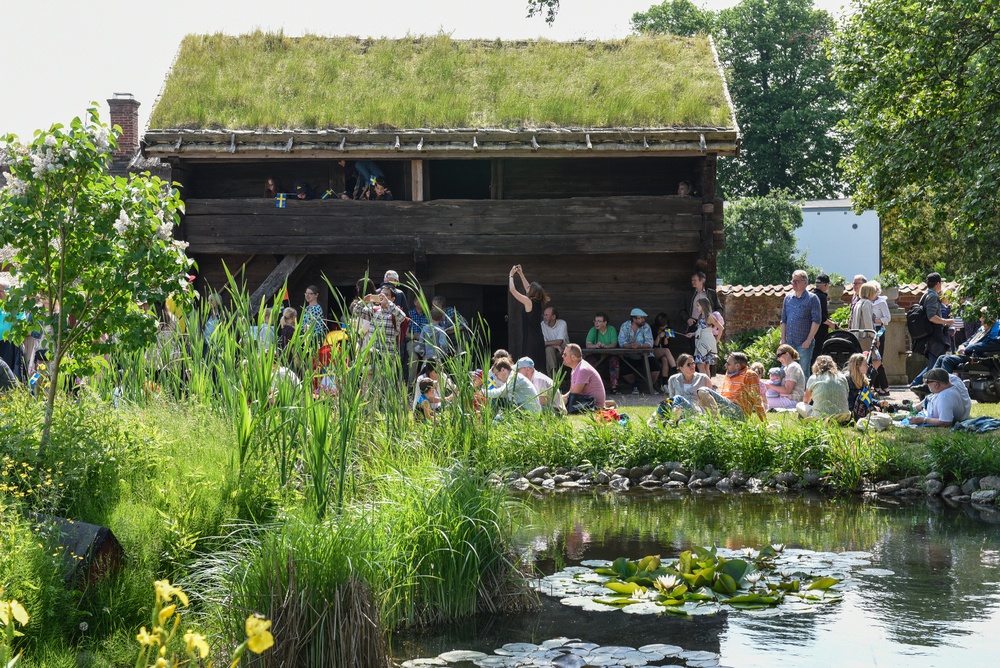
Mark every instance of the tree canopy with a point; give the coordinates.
(924, 80)
(760, 240)
(674, 17)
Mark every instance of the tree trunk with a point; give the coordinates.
(50, 402)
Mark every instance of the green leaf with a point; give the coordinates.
(735, 568)
(617, 601)
(622, 587)
(822, 583)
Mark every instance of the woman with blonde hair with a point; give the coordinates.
(533, 299)
(862, 323)
(827, 392)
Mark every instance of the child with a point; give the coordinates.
(426, 400)
(775, 377)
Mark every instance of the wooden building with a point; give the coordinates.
(562, 157)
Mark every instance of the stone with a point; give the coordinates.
(576, 475)
(724, 484)
(620, 484)
(737, 478)
(660, 471)
(648, 477)
(711, 480)
(537, 481)
(622, 471)
(887, 488)
(697, 475)
(961, 498)
(584, 468)
(538, 472)
(549, 483)
(651, 483)
(933, 487)
(602, 478)
(562, 470)
(951, 491)
(560, 478)
(569, 483)
(788, 479)
(933, 475)
(678, 476)
(908, 482)
(521, 485)
(989, 482)
(908, 491)
(709, 469)
(811, 479)
(636, 472)
(674, 484)
(970, 486)
(985, 496)
(673, 466)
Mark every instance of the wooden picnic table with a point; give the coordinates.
(620, 353)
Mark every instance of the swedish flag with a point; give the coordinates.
(669, 333)
(327, 195)
(866, 397)
(372, 179)
(280, 200)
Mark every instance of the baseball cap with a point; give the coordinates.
(637, 312)
(526, 363)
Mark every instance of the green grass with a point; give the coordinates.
(269, 81)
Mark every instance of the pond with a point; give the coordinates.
(926, 593)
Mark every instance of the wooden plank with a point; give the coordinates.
(417, 183)
(275, 280)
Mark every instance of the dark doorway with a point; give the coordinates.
(460, 179)
(480, 305)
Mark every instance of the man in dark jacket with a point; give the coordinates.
(937, 343)
(820, 290)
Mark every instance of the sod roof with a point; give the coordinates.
(268, 82)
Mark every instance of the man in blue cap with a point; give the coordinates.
(636, 333)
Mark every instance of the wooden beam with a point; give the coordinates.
(274, 281)
(417, 180)
(496, 178)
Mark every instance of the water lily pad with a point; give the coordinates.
(596, 563)
(569, 661)
(665, 650)
(617, 651)
(698, 655)
(635, 658)
(643, 608)
(582, 645)
(704, 663)
(497, 662)
(876, 572)
(416, 663)
(516, 648)
(457, 655)
(557, 642)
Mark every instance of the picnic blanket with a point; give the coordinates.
(978, 425)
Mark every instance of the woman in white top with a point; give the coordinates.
(882, 316)
(793, 389)
(682, 390)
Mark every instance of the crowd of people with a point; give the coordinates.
(369, 184)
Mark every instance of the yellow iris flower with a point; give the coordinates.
(166, 613)
(166, 592)
(12, 609)
(258, 636)
(146, 638)
(196, 643)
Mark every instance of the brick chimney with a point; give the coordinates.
(124, 112)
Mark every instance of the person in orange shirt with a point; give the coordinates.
(740, 396)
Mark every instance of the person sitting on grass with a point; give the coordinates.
(948, 403)
(443, 387)
(682, 391)
(426, 400)
(586, 390)
(513, 390)
(740, 395)
(790, 391)
(826, 393)
(548, 396)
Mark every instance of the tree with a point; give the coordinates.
(924, 81)
(760, 240)
(787, 104)
(674, 17)
(548, 8)
(89, 247)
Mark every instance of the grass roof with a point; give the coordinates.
(269, 81)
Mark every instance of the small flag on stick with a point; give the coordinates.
(280, 200)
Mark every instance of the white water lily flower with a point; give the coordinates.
(778, 547)
(641, 594)
(667, 582)
(749, 552)
(754, 578)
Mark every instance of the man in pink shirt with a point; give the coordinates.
(586, 390)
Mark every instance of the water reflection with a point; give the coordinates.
(940, 606)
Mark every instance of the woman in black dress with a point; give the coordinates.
(534, 301)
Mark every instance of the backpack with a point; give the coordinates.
(918, 324)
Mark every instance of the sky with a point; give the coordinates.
(64, 54)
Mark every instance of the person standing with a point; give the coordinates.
(800, 319)
(534, 300)
(313, 327)
(936, 344)
(691, 310)
(821, 290)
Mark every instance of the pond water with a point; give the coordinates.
(928, 594)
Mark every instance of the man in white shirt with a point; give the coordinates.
(949, 402)
(556, 337)
(543, 385)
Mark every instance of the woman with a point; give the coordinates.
(706, 343)
(533, 300)
(682, 390)
(857, 380)
(793, 389)
(271, 188)
(661, 339)
(286, 327)
(882, 316)
(312, 316)
(827, 390)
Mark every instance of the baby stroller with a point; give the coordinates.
(840, 345)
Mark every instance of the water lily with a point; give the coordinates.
(754, 578)
(749, 552)
(640, 594)
(778, 547)
(667, 582)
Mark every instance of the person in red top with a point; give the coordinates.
(740, 396)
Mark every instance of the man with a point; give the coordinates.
(636, 334)
(740, 397)
(604, 335)
(586, 391)
(512, 389)
(543, 385)
(392, 278)
(936, 344)
(381, 310)
(983, 342)
(418, 320)
(826, 324)
(801, 316)
(556, 337)
(453, 320)
(949, 401)
(859, 280)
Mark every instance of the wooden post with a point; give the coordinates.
(706, 249)
(274, 281)
(417, 180)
